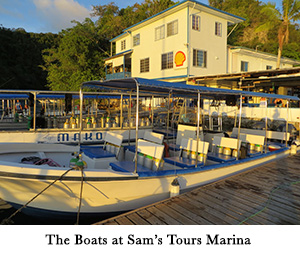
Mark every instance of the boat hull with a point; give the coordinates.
(108, 193)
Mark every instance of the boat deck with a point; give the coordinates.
(267, 195)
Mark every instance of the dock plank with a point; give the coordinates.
(174, 214)
(266, 195)
(137, 220)
(151, 218)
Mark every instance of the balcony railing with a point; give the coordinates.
(118, 75)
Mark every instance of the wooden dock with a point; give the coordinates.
(267, 195)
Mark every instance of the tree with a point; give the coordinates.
(21, 58)
(283, 19)
(112, 20)
(78, 58)
(243, 34)
(82, 49)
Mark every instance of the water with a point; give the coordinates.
(22, 219)
(19, 219)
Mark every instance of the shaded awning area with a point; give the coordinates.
(289, 77)
(155, 86)
(55, 95)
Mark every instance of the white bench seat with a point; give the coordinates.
(190, 146)
(224, 142)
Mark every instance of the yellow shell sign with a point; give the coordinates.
(179, 58)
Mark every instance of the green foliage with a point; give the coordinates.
(20, 59)
(78, 58)
(83, 48)
(262, 27)
(112, 20)
(63, 61)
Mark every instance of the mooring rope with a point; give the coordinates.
(8, 220)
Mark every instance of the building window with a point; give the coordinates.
(244, 66)
(160, 33)
(199, 58)
(172, 28)
(144, 65)
(218, 29)
(269, 67)
(123, 45)
(167, 61)
(136, 40)
(196, 22)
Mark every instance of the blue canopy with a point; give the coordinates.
(58, 96)
(13, 96)
(147, 85)
(6, 96)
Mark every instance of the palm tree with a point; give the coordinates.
(290, 13)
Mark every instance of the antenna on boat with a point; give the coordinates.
(198, 126)
(239, 130)
(287, 123)
(80, 115)
(136, 124)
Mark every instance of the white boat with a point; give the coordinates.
(58, 124)
(116, 180)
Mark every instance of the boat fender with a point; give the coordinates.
(293, 149)
(166, 149)
(174, 188)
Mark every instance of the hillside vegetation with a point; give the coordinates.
(62, 61)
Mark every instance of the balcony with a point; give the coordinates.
(119, 75)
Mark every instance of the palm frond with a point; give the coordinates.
(294, 13)
(264, 27)
(270, 11)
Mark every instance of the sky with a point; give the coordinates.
(42, 16)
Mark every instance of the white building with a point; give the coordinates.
(188, 39)
(241, 59)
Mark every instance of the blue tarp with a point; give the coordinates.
(147, 85)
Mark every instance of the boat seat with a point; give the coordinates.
(189, 145)
(253, 139)
(225, 142)
(274, 135)
(153, 137)
(183, 162)
(149, 157)
(168, 134)
(128, 166)
(174, 147)
(130, 148)
(111, 148)
(184, 131)
(150, 137)
(221, 158)
(97, 152)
